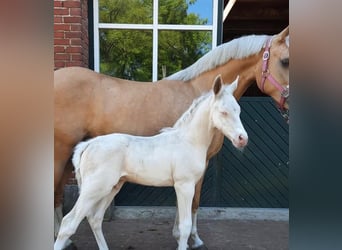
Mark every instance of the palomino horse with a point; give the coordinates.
(88, 104)
(175, 157)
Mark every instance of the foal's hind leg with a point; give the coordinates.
(71, 221)
(96, 217)
(91, 193)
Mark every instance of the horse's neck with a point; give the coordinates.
(246, 69)
(199, 129)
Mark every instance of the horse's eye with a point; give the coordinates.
(224, 113)
(285, 62)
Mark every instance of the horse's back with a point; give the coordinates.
(74, 78)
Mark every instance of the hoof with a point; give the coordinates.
(202, 247)
(71, 246)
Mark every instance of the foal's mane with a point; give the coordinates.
(236, 49)
(188, 115)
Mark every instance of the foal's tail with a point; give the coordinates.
(76, 160)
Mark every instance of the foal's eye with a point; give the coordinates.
(285, 62)
(224, 113)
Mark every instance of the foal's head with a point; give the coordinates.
(226, 112)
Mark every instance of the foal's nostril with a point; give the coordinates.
(243, 139)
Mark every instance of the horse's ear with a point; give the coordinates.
(217, 86)
(284, 33)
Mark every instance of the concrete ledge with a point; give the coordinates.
(213, 213)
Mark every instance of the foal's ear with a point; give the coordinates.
(217, 86)
(234, 84)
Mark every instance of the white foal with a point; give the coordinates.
(175, 157)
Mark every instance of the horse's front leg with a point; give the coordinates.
(197, 242)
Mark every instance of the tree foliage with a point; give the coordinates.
(128, 53)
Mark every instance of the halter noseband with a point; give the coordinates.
(265, 74)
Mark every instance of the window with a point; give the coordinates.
(146, 40)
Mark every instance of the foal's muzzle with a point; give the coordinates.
(241, 140)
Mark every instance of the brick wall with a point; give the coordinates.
(71, 33)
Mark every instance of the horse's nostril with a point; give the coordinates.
(241, 137)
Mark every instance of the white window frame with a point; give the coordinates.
(155, 27)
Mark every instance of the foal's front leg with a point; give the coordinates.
(197, 242)
(185, 193)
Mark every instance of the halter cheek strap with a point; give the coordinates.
(265, 74)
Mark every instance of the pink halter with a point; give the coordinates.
(265, 74)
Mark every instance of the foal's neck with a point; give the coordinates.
(200, 130)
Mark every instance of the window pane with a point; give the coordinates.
(185, 12)
(126, 54)
(126, 11)
(179, 49)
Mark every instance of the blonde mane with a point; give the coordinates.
(236, 49)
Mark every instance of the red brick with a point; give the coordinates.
(58, 34)
(59, 41)
(62, 56)
(86, 41)
(72, 4)
(75, 27)
(75, 12)
(72, 19)
(73, 50)
(70, 64)
(76, 34)
(59, 64)
(57, 20)
(57, 3)
(75, 41)
(75, 57)
(61, 27)
(59, 49)
(61, 11)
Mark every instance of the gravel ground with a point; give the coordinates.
(143, 234)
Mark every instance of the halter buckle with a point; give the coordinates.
(266, 55)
